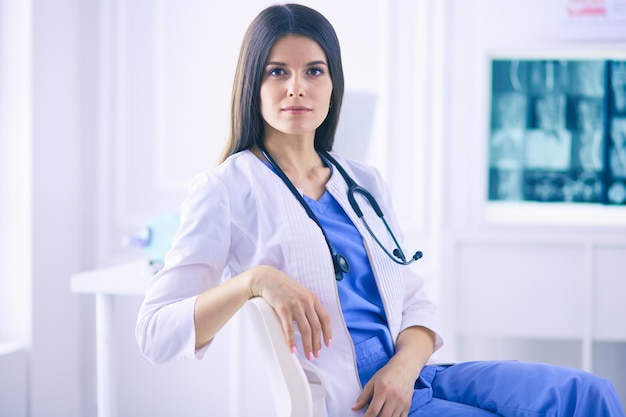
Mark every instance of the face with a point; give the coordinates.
(296, 87)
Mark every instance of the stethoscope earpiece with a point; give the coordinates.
(398, 254)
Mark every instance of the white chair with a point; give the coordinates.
(287, 381)
(289, 385)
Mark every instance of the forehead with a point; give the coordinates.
(294, 47)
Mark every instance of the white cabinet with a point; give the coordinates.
(554, 298)
(609, 292)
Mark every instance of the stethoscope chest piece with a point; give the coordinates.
(341, 266)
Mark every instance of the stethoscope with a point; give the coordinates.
(340, 262)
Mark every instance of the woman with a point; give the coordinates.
(275, 219)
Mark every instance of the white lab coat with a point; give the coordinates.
(240, 215)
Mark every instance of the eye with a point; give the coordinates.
(276, 72)
(315, 71)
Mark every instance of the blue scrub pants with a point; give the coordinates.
(500, 388)
(511, 388)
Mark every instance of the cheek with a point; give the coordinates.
(262, 96)
(329, 92)
(269, 94)
(265, 101)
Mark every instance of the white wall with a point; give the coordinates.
(15, 205)
(57, 172)
(13, 380)
(42, 205)
(15, 181)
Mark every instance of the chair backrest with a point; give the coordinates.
(289, 385)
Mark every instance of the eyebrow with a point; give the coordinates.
(282, 64)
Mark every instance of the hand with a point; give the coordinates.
(389, 392)
(293, 302)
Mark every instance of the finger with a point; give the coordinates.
(363, 398)
(393, 407)
(376, 401)
(311, 330)
(304, 326)
(316, 332)
(324, 318)
(374, 408)
(288, 330)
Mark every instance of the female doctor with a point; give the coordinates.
(284, 218)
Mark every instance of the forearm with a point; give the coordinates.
(216, 306)
(414, 347)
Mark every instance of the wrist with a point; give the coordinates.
(254, 279)
(414, 347)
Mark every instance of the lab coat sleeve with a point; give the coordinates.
(418, 309)
(165, 327)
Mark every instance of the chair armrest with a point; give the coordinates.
(286, 374)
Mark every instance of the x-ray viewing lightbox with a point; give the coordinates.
(558, 130)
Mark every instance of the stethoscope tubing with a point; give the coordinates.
(398, 255)
(340, 263)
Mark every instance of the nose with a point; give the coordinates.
(295, 88)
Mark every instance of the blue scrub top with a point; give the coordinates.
(358, 293)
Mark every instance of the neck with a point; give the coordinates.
(294, 154)
(301, 164)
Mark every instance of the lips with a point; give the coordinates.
(296, 110)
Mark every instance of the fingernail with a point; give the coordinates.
(317, 353)
(329, 342)
(311, 357)
(294, 349)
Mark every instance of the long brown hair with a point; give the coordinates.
(246, 121)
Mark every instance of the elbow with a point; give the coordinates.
(149, 345)
(151, 355)
(161, 341)
(166, 332)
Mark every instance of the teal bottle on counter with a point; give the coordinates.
(156, 238)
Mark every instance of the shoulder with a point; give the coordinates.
(235, 169)
(232, 189)
(241, 181)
